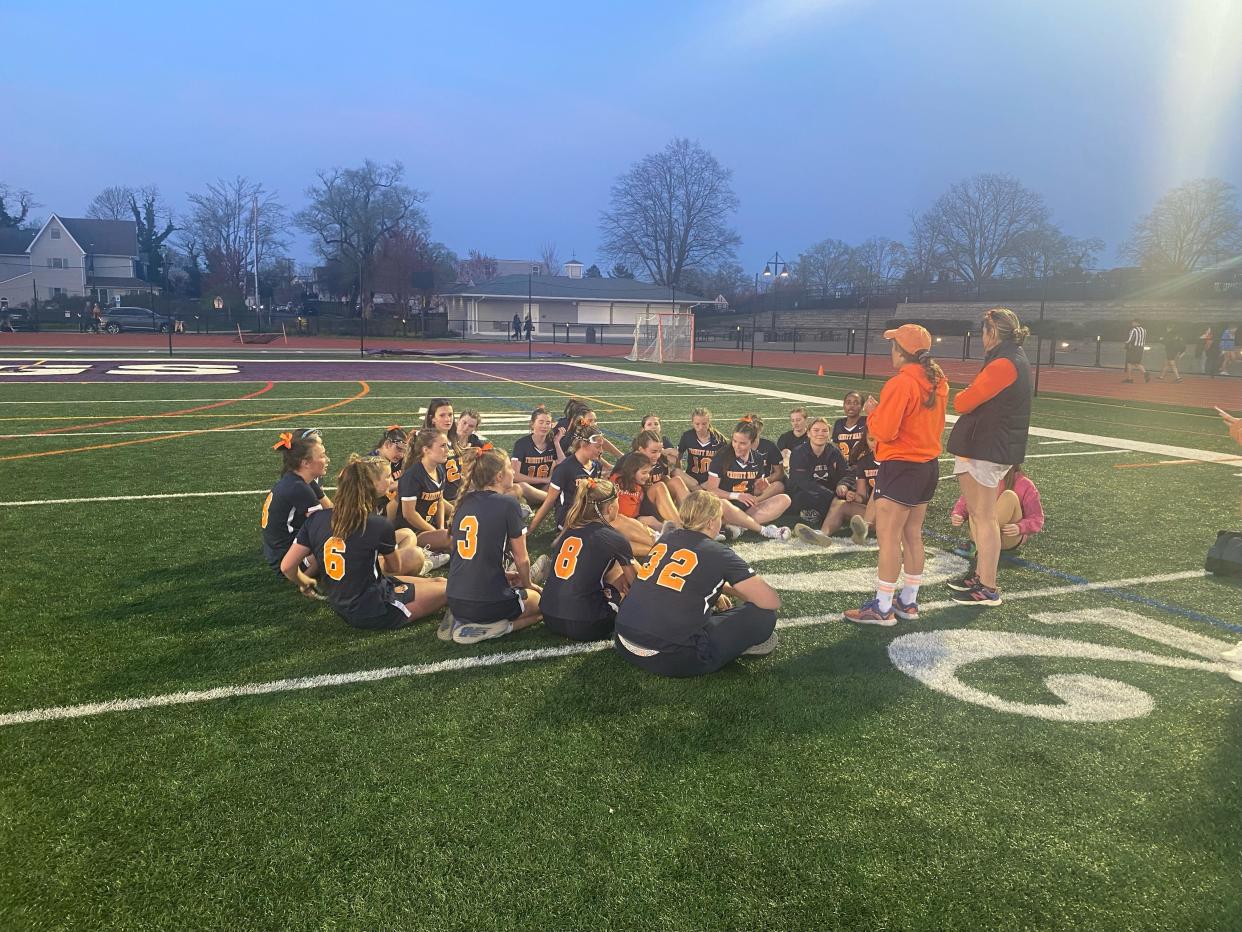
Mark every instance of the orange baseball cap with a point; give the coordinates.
(910, 337)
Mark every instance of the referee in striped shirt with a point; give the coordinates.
(1135, 343)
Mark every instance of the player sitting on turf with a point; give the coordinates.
(859, 502)
(667, 625)
(848, 431)
(737, 475)
(484, 600)
(365, 574)
(589, 568)
(795, 436)
(666, 466)
(769, 453)
(666, 480)
(907, 423)
(1019, 515)
(818, 478)
(639, 497)
(699, 445)
(421, 490)
(392, 446)
(580, 419)
(294, 497)
(440, 417)
(535, 456)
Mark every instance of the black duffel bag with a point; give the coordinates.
(1224, 558)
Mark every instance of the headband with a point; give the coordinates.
(286, 441)
(487, 447)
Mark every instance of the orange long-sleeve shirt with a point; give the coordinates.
(993, 379)
(903, 426)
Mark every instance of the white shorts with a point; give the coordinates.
(983, 472)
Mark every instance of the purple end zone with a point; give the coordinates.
(210, 370)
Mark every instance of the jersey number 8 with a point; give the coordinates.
(567, 559)
(267, 503)
(680, 565)
(469, 542)
(334, 558)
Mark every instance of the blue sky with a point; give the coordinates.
(837, 117)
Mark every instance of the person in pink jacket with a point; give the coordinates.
(1019, 512)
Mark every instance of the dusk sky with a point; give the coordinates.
(837, 118)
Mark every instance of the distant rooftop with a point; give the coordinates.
(585, 289)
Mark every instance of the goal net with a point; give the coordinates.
(663, 337)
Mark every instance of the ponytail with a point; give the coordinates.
(711, 430)
(933, 371)
(480, 467)
(592, 498)
(422, 440)
(355, 493)
(296, 447)
(1005, 324)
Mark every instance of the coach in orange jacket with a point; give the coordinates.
(989, 437)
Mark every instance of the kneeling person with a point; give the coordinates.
(666, 624)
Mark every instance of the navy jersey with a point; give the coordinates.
(395, 468)
(699, 453)
(767, 451)
(581, 559)
(807, 472)
(351, 573)
(285, 510)
(676, 587)
(790, 441)
(483, 525)
(565, 480)
(533, 461)
(846, 438)
(424, 490)
(864, 467)
(452, 474)
(737, 475)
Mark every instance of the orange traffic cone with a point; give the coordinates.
(821, 371)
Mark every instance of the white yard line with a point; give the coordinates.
(283, 398)
(230, 430)
(1116, 443)
(296, 684)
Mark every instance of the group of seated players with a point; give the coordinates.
(638, 553)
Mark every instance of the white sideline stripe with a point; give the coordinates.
(132, 498)
(84, 710)
(282, 398)
(1116, 443)
(226, 430)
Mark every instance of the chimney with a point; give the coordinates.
(573, 268)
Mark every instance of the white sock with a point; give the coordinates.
(884, 593)
(910, 591)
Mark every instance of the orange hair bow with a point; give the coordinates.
(487, 447)
(391, 427)
(746, 419)
(590, 483)
(286, 441)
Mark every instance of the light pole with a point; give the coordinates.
(775, 269)
(530, 314)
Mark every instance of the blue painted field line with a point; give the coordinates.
(1119, 593)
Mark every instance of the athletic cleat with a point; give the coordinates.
(1233, 654)
(539, 569)
(445, 631)
(734, 531)
(472, 634)
(906, 612)
(775, 532)
(762, 649)
(964, 583)
(870, 614)
(808, 535)
(859, 530)
(978, 594)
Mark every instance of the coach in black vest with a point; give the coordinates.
(989, 438)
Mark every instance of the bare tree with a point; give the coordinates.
(15, 206)
(978, 222)
(221, 224)
(620, 270)
(670, 213)
(111, 203)
(147, 219)
(352, 211)
(877, 263)
(728, 279)
(551, 261)
(827, 264)
(1046, 252)
(1193, 225)
(924, 258)
(476, 267)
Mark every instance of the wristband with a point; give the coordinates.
(734, 496)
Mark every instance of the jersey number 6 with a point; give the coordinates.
(680, 565)
(469, 542)
(334, 558)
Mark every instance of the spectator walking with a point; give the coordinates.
(529, 326)
(1174, 346)
(96, 317)
(517, 328)
(1135, 344)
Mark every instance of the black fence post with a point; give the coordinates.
(866, 341)
(754, 325)
(966, 346)
(795, 340)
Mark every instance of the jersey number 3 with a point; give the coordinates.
(469, 542)
(680, 565)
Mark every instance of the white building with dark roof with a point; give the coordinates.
(71, 256)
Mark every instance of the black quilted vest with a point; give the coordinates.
(996, 431)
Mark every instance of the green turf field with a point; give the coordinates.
(1069, 760)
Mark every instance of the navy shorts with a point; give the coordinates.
(906, 483)
(486, 613)
(599, 630)
(397, 595)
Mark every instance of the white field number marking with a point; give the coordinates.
(42, 371)
(164, 368)
(935, 658)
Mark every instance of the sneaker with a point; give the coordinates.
(445, 631)
(809, 535)
(436, 561)
(1127, 381)
(734, 531)
(1236, 675)
(978, 594)
(472, 634)
(870, 614)
(1233, 654)
(1177, 380)
(904, 611)
(775, 532)
(762, 649)
(720, 538)
(859, 530)
(964, 583)
(539, 569)
(527, 511)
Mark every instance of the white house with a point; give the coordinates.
(72, 256)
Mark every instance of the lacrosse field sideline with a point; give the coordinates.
(187, 742)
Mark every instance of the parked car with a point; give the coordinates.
(116, 319)
(15, 319)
